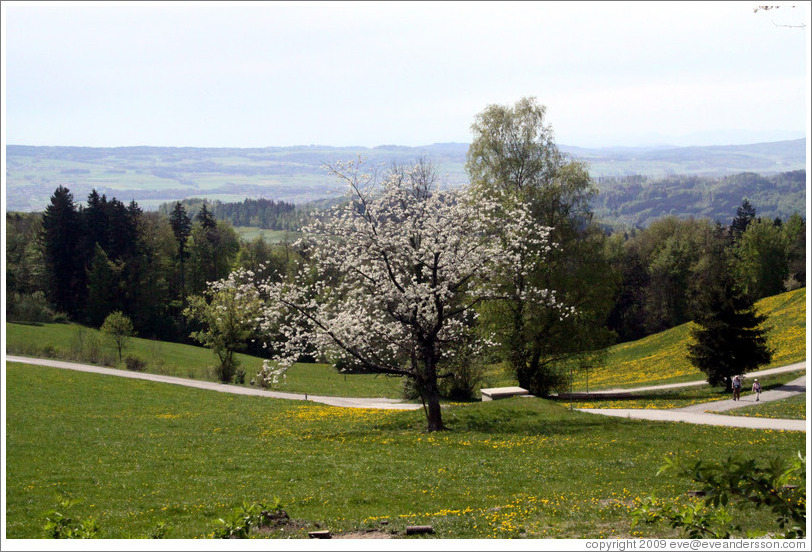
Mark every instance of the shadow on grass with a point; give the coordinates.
(670, 396)
(795, 388)
(519, 416)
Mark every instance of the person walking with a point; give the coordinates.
(737, 388)
(757, 389)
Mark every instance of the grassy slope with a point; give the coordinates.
(250, 233)
(137, 453)
(187, 361)
(661, 358)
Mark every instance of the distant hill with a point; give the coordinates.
(637, 201)
(155, 175)
(767, 158)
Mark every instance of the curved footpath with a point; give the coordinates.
(221, 387)
(695, 414)
(766, 372)
(703, 413)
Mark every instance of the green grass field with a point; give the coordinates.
(138, 453)
(793, 408)
(250, 233)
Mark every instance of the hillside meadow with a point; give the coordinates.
(138, 454)
(662, 358)
(77, 343)
(656, 359)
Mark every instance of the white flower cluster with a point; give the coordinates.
(395, 273)
(271, 375)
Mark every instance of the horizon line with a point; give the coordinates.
(383, 146)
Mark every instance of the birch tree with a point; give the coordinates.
(513, 158)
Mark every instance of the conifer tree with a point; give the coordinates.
(60, 243)
(745, 214)
(729, 338)
(181, 227)
(102, 283)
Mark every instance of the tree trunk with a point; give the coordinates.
(524, 375)
(517, 354)
(434, 414)
(431, 393)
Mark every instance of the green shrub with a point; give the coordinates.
(765, 485)
(21, 307)
(239, 523)
(226, 370)
(134, 363)
(160, 531)
(59, 525)
(467, 379)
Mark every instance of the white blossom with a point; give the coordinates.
(394, 275)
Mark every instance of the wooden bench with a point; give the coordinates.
(495, 393)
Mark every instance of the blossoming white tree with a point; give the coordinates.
(394, 275)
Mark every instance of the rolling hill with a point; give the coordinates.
(155, 175)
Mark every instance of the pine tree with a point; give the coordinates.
(745, 214)
(122, 231)
(206, 219)
(729, 338)
(60, 241)
(102, 284)
(95, 225)
(182, 228)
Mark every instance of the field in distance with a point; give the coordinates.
(155, 175)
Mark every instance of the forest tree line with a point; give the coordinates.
(260, 212)
(640, 200)
(82, 262)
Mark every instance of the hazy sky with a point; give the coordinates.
(297, 73)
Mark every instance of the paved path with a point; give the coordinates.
(693, 414)
(222, 387)
(748, 398)
(703, 413)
